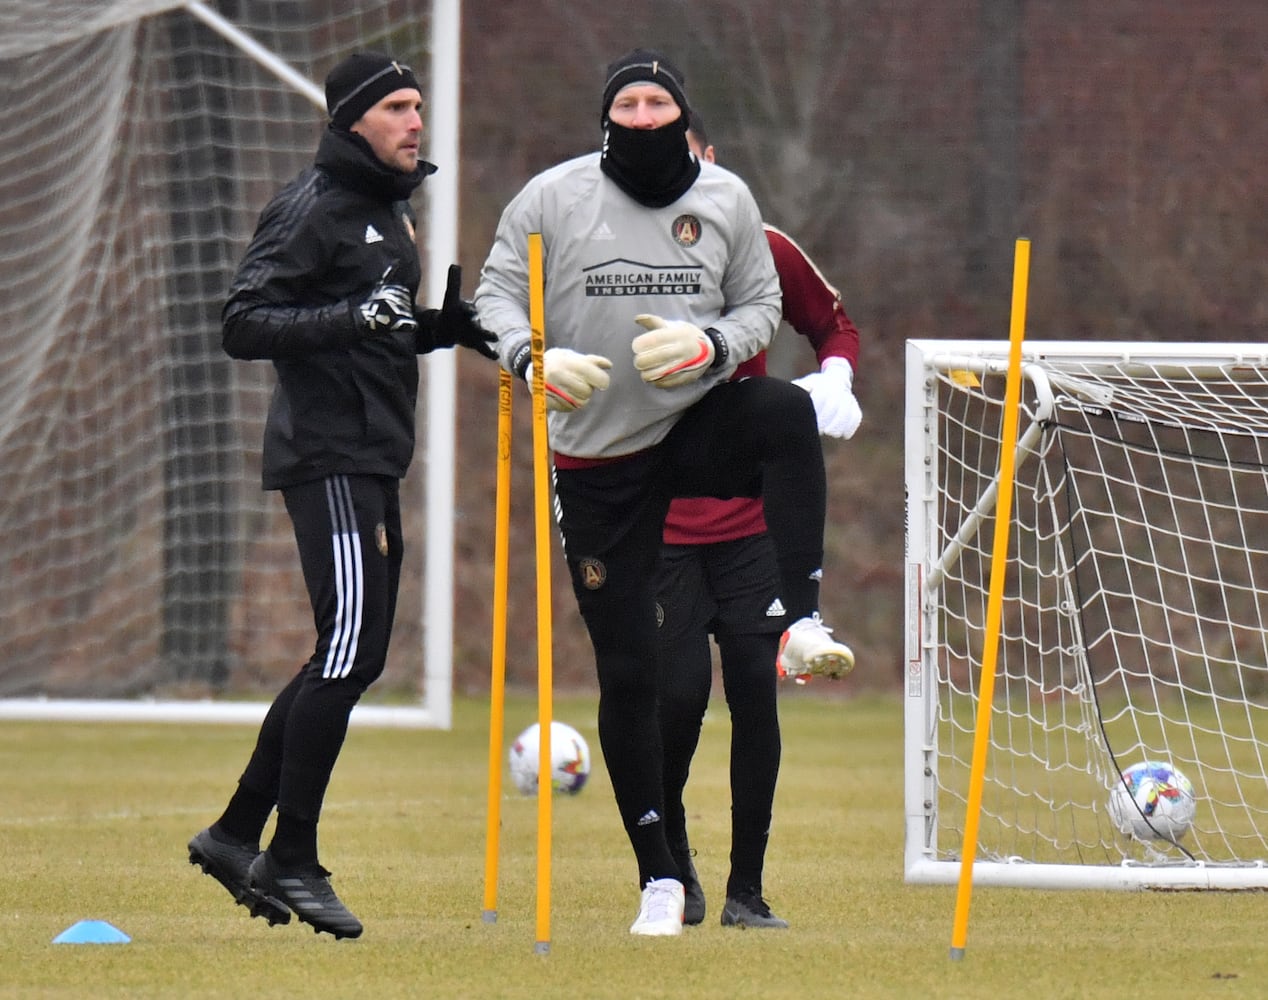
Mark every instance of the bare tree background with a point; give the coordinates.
(906, 145)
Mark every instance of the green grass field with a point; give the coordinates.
(94, 821)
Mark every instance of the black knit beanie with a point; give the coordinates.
(359, 82)
(643, 66)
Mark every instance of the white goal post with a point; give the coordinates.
(146, 574)
(1134, 615)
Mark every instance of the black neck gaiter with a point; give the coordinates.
(353, 162)
(653, 166)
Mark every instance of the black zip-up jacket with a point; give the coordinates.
(345, 397)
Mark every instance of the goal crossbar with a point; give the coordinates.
(200, 711)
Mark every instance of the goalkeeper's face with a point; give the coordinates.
(394, 129)
(644, 105)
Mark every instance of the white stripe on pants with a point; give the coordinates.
(349, 579)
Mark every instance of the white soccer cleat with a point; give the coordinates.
(807, 649)
(660, 912)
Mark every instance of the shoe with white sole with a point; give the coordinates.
(807, 649)
(660, 913)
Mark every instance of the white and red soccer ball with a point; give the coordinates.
(569, 755)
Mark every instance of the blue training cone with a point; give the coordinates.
(91, 932)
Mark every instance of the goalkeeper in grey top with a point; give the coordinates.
(659, 282)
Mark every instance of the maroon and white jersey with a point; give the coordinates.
(812, 307)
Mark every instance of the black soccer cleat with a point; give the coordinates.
(748, 909)
(307, 891)
(228, 864)
(693, 891)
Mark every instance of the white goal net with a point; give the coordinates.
(142, 561)
(1134, 616)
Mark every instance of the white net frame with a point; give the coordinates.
(147, 576)
(1133, 614)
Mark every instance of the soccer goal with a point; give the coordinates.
(1134, 616)
(146, 575)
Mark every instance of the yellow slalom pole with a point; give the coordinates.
(497, 684)
(541, 507)
(995, 600)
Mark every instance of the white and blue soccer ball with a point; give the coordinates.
(569, 757)
(1154, 801)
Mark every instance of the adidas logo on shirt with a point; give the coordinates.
(372, 235)
(776, 609)
(649, 817)
(602, 232)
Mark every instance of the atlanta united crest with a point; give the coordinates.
(686, 230)
(593, 573)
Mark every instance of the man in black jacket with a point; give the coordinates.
(326, 292)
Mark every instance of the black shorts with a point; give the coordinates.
(723, 588)
(612, 516)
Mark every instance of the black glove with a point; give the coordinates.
(389, 309)
(454, 324)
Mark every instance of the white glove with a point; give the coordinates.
(672, 353)
(571, 378)
(832, 391)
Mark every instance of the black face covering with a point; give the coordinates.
(653, 166)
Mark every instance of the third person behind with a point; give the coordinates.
(719, 576)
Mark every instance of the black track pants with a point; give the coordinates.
(348, 529)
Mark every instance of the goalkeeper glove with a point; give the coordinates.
(832, 391)
(672, 352)
(388, 309)
(454, 324)
(570, 377)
